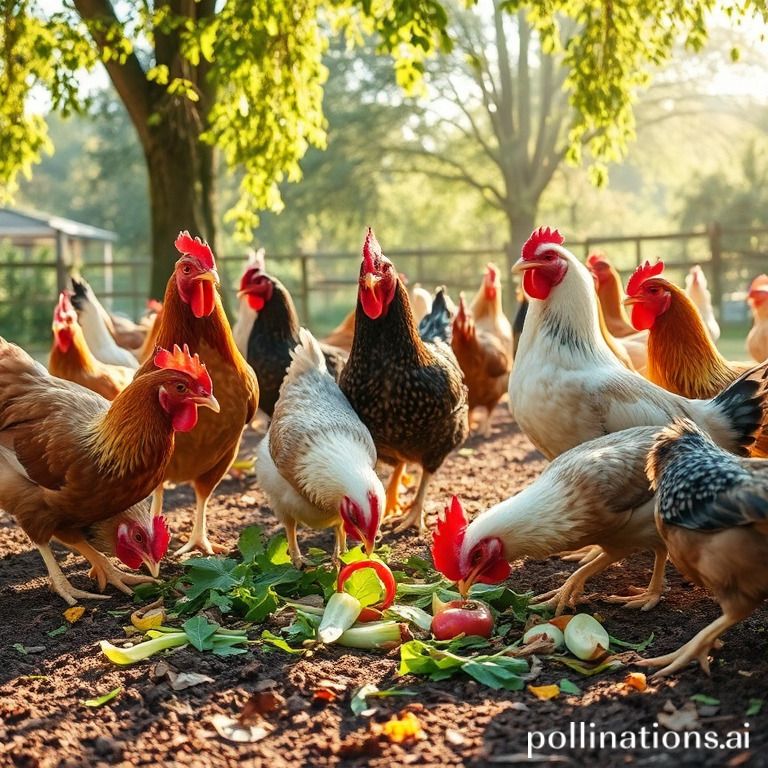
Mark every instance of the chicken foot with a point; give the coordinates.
(647, 598)
(59, 582)
(582, 556)
(293, 543)
(198, 539)
(569, 593)
(392, 506)
(696, 649)
(415, 515)
(103, 572)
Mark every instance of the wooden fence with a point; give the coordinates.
(323, 284)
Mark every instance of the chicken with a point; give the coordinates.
(409, 393)
(682, 357)
(485, 361)
(436, 325)
(757, 340)
(712, 512)
(610, 294)
(486, 307)
(343, 334)
(317, 461)
(698, 293)
(246, 314)
(71, 359)
(192, 314)
(596, 493)
(519, 321)
(421, 302)
(95, 323)
(72, 467)
(566, 386)
(274, 333)
(152, 322)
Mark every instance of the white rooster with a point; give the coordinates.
(698, 293)
(316, 462)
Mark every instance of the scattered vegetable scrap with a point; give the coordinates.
(75, 613)
(544, 692)
(636, 680)
(405, 727)
(101, 700)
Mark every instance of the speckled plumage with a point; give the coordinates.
(275, 332)
(409, 394)
(701, 486)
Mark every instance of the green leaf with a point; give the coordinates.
(259, 602)
(566, 686)
(701, 698)
(365, 586)
(20, 648)
(228, 650)
(641, 646)
(755, 707)
(209, 573)
(58, 631)
(586, 670)
(251, 543)
(494, 674)
(101, 700)
(278, 642)
(199, 632)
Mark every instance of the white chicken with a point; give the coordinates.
(698, 292)
(566, 386)
(94, 320)
(421, 302)
(316, 462)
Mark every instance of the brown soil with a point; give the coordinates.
(43, 723)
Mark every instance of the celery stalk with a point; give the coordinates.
(142, 650)
(340, 614)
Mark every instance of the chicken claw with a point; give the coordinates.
(392, 507)
(60, 583)
(107, 573)
(582, 556)
(644, 599)
(201, 543)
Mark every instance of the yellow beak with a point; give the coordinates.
(370, 281)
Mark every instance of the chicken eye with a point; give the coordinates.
(181, 387)
(186, 269)
(138, 538)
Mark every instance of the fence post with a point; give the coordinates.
(305, 288)
(715, 235)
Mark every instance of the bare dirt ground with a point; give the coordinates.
(43, 722)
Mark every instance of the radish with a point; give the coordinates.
(586, 638)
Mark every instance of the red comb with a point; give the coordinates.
(491, 271)
(760, 283)
(194, 246)
(641, 274)
(539, 236)
(371, 251)
(447, 539)
(462, 312)
(64, 308)
(181, 360)
(596, 258)
(161, 538)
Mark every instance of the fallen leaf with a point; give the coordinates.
(359, 704)
(101, 700)
(684, 719)
(149, 617)
(179, 681)
(160, 670)
(755, 707)
(25, 649)
(454, 737)
(701, 698)
(544, 692)
(466, 452)
(261, 703)
(324, 694)
(58, 631)
(566, 686)
(75, 613)
(406, 727)
(233, 730)
(636, 680)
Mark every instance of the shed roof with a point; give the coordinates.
(34, 224)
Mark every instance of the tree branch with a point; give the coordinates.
(128, 77)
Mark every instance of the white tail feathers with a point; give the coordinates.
(307, 355)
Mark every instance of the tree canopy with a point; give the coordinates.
(244, 79)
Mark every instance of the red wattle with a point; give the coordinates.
(373, 306)
(255, 302)
(202, 300)
(643, 317)
(185, 417)
(537, 284)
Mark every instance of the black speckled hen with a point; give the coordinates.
(275, 332)
(409, 393)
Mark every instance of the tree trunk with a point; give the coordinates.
(181, 197)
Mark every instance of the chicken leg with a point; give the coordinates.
(104, 572)
(392, 506)
(59, 582)
(340, 544)
(571, 590)
(696, 649)
(415, 515)
(647, 598)
(293, 543)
